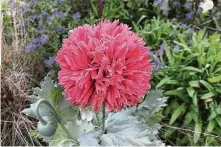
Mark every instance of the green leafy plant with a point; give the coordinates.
(156, 30)
(63, 124)
(191, 78)
(112, 9)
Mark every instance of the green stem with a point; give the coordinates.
(97, 118)
(162, 61)
(103, 118)
(66, 131)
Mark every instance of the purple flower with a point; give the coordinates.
(183, 26)
(157, 62)
(60, 14)
(60, 28)
(30, 47)
(42, 31)
(49, 18)
(161, 50)
(189, 15)
(36, 40)
(44, 40)
(26, 10)
(59, 1)
(35, 2)
(50, 61)
(14, 4)
(189, 42)
(27, 20)
(43, 13)
(198, 11)
(40, 22)
(51, 72)
(188, 5)
(33, 17)
(190, 30)
(55, 11)
(76, 15)
(177, 48)
(157, 2)
(28, 4)
(176, 3)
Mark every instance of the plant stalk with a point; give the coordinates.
(66, 131)
(103, 118)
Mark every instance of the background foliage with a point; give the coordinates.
(185, 50)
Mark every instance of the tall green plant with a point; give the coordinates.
(191, 78)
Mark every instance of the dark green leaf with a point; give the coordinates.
(177, 113)
(212, 115)
(190, 91)
(207, 85)
(198, 130)
(190, 68)
(211, 126)
(162, 82)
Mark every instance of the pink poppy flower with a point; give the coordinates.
(104, 63)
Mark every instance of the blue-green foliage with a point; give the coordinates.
(59, 123)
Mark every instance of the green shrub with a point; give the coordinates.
(188, 69)
(156, 31)
(191, 78)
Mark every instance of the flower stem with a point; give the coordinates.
(103, 118)
(97, 118)
(66, 131)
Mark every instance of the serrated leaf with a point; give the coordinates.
(46, 85)
(177, 113)
(90, 138)
(123, 129)
(67, 114)
(58, 137)
(78, 127)
(127, 128)
(151, 98)
(55, 96)
(29, 112)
